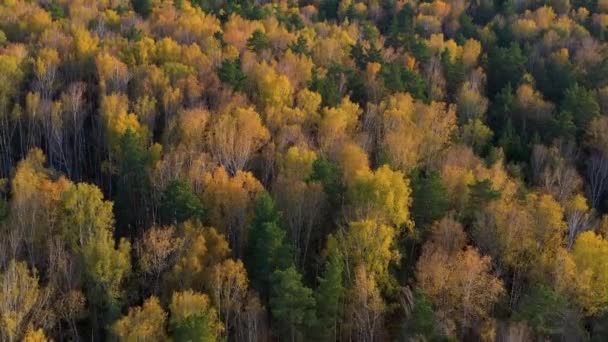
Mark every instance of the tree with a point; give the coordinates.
(413, 132)
(179, 203)
(228, 288)
(367, 306)
(231, 73)
(471, 104)
(429, 199)
(328, 173)
(106, 267)
(505, 66)
(457, 279)
(235, 136)
(300, 200)
(84, 213)
(142, 7)
(157, 252)
(292, 303)
(19, 295)
(383, 195)
(230, 202)
(258, 41)
(330, 294)
(267, 248)
(371, 245)
(590, 255)
(546, 311)
(133, 180)
(146, 322)
(581, 104)
(203, 248)
(193, 318)
(422, 321)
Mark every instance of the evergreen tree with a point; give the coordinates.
(268, 250)
(330, 295)
(178, 203)
(430, 201)
(292, 304)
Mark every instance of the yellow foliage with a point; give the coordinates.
(338, 123)
(370, 245)
(383, 196)
(190, 303)
(230, 201)
(590, 255)
(142, 323)
(203, 248)
(297, 162)
(238, 30)
(353, 161)
(19, 294)
(34, 335)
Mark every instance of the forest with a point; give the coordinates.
(312, 170)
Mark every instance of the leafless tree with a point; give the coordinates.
(597, 175)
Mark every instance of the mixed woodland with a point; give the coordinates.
(313, 170)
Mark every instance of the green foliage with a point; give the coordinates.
(231, 73)
(422, 319)
(454, 73)
(292, 304)
(56, 10)
(196, 328)
(398, 78)
(331, 295)
(142, 7)
(582, 106)
(430, 201)
(505, 66)
(179, 203)
(300, 46)
(258, 41)
(328, 9)
(329, 174)
(328, 86)
(133, 181)
(545, 310)
(481, 193)
(267, 247)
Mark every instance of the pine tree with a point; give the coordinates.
(292, 304)
(330, 295)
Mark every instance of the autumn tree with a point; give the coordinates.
(228, 287)
(18, 298)
(589, 254)
(157, 251)
(457, 278)
(84, 213)
(202, 249)
(301, 200)
(235, 136)
(142, 322)
(230, 203)
(193, 318)
(382, 195)
(106, 267)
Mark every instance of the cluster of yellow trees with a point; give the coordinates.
(321, 170)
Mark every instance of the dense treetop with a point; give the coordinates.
(325, 170)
